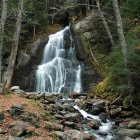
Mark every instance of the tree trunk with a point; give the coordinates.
(120, 31)
(105, 23)
(12, 60)
(2, 23)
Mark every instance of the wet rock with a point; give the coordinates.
(115, 112)
(19, 129)
(132, 133)
(14, 88)
(81, 103)
(12, 138)
(127, 138)
(73, 134)
(102, 133)
(94, 124)
(103, 117)
(16, 110)
(54, 126)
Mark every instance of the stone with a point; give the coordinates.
(132, 133)
(1, 88)
(19, 91)
(18, 129)
(53, 126)
(72, 117)
(69, 124)
(115, 112)
(127, 138)
(16, 110)
(1, 117)
(102, 133)
(103, 117)
(12, 138)
(137, 138)
(14, 88)
(73, 134)
(94, 124)
(23, 59)
(133, 124)
(57, 134)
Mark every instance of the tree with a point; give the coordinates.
(12, 60)
(2, 24)
(105, 23)
(120, 32)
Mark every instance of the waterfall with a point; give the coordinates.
(59, 71)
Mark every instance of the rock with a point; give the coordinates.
(57, 134)
(1, 88)
(103, 117)
(13, 138)
(137, 138)
(81, 103)
(53, 126)
(99, 103)
(72, 117)
(23, 59)
(73, 134)
(14, 88)
(115, 112)
(1, 116)
(127, 138)
(70, 124)
(132, 133)
(87, 35)
(16, 110)
(19, 91)
(133, 124)
(94, 124)
(4, 130)
(102, 133)
(18, 129)
(58, 116)
(125, 114)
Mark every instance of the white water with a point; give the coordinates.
(105, 127)
(59, 71)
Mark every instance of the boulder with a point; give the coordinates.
(73, 134)
(103, 117)
(115, 112)
(23, 59)
(70, 124)
(19, 129)
(53, 126)
(1, 88)
(16, 110)
(57, 134)
(133, 124)
(132, 133)
(94, 124)
(72, 117)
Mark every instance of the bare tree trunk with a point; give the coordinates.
(120, 31)
(2, 23)
(105, 23)
(10, 69)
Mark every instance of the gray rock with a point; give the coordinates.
(16, 110)
(54, 126)
(14, 88)
(132, 133)
(72, 117)
(12, 138)
(69, 124)
(57, 134)
(23, 59)
(1, 88)
(18, 129)
(115, 112)
(133, 124)
(102, 133)
(94, 124)
(137, 138)
(73, 134)
(127, 138)
(103, 117)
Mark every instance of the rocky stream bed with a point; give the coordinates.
(72, 117)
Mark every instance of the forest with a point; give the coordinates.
(60, 59)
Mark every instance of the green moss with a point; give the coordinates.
(102, 87)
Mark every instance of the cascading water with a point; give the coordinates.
(59, 71)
